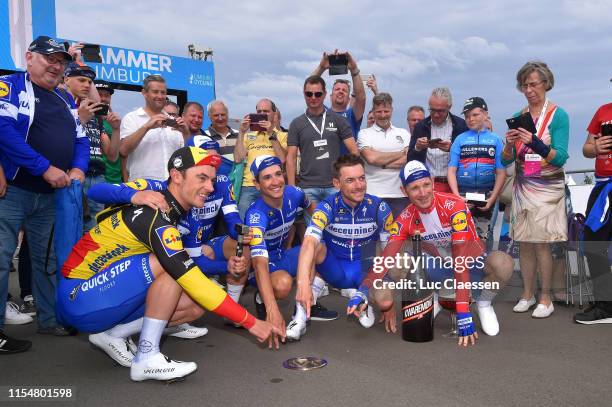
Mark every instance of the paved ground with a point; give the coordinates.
(550, 362)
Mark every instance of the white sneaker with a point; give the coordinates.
(186, 331)
(118, 349)
(524, 305)
(12, 316)
(160, 367)
(324, 291)
(367, 317)
(543, 311)
(488, 320)
(296, 329)
(348, 292)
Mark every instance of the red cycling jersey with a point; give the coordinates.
(446, 229)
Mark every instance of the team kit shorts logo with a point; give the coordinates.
(170, 239)
(320, 219)
(5, 90)
(459, 221)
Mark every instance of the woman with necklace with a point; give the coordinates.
(538, 214)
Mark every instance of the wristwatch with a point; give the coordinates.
(355, 73)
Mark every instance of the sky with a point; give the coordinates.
(268, 47)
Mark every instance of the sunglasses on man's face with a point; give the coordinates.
(313, 94)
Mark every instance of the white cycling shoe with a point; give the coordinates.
(296, 329)
(160, 367)
(186, 331)
(121, 350)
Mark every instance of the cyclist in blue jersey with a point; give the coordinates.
(475, 169)
(341, 240)
(271, 217)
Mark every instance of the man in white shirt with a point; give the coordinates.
(148, 135)
(383, 147)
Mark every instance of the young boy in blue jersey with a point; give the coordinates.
(475, 170)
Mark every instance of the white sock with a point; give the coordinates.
(300, 313)
(485, 298)
(151, 333)
(234, 291)
(125, 330)
(317, 287)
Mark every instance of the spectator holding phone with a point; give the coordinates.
(146, 139)
(254, 140)
(79, 82)
(341, 91)
(475, 169)
(597, 232)
(538, 214)
(432, 137)
(112, 169)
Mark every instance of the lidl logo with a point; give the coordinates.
(137, 184)
(459, 221)
(170, 239)
(320, 219)
(257, 237)
(5, 90)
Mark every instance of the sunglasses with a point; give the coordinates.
(313, 94)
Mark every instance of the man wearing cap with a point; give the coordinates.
(448, 233)
(79, 82)
(215, 255)
(475, 167)
(268, 140)
(131, 274)
(112, 169)
(432, 137)
(271, 217)
(42, 148)
(146, 140)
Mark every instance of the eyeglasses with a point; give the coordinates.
(438, 111)
(532, 85)
(313, 94)
(52, 60)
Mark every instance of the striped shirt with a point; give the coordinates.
(437, 160)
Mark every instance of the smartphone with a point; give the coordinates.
(91, 53)
(524, 121)
(338, 64)
(103, 110)
(606, 129)
(366, 77)
(170, 122)
(66, 45)
(434, 141)
(255, 119)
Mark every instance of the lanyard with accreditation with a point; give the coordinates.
(321, 142)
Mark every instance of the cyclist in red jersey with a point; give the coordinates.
(447, 230)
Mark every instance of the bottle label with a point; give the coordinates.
(417, 310)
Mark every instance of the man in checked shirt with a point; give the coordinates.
(432, 137)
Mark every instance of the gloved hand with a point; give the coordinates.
(538, 146)
(465, 324)
(358, 299)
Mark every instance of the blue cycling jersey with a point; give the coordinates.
(271, 225)
(346, 230)
(197, 225)
(476, 155)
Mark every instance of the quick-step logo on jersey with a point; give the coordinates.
(418, 310)
(170, 239)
